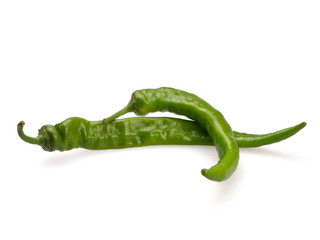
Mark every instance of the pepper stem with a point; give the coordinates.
(37, 140)
(126, 109)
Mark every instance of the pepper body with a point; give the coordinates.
(125, 133)
(77, 132)
(135, 132)
(183, 103)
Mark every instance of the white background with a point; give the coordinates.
(255, 61)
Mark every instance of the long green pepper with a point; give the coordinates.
(78, 132)
(183, 103)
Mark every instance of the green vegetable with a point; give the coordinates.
(183, 103)
(208, 128)
(137, 132)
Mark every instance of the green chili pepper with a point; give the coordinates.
(183, 103)
(137, 132)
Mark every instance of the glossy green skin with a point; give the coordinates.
(190, 105)
(77, 132)
(183, 103)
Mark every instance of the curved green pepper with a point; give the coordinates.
(183, 103)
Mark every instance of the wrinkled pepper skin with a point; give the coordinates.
(124, 133)
(176, 101)
(183, 103)
(77, 132)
